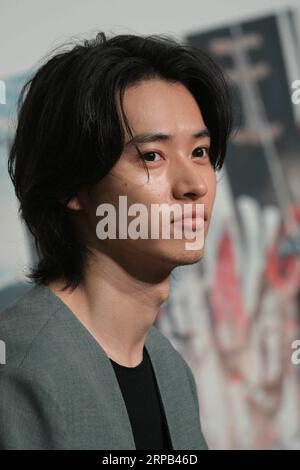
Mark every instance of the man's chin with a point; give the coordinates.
(185, 257)
(192, 257)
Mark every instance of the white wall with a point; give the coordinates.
(28, 29)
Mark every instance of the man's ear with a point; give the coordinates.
(77, 203)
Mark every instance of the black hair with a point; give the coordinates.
(69, 134)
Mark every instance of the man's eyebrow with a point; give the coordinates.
(160, 137)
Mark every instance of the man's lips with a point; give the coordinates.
(190, 216)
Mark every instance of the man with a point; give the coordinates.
(86, 368)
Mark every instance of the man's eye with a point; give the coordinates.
(204, 151)
(150, 156)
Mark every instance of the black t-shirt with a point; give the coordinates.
(144, 406)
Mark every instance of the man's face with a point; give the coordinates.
(179, 172)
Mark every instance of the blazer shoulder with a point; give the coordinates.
(23, 321)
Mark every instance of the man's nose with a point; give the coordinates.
(188, 179)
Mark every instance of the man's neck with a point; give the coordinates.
(116, 308)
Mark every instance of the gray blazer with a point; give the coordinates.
(58, 388)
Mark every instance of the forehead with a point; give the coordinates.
(157, 104)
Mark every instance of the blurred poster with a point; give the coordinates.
(235, 314)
